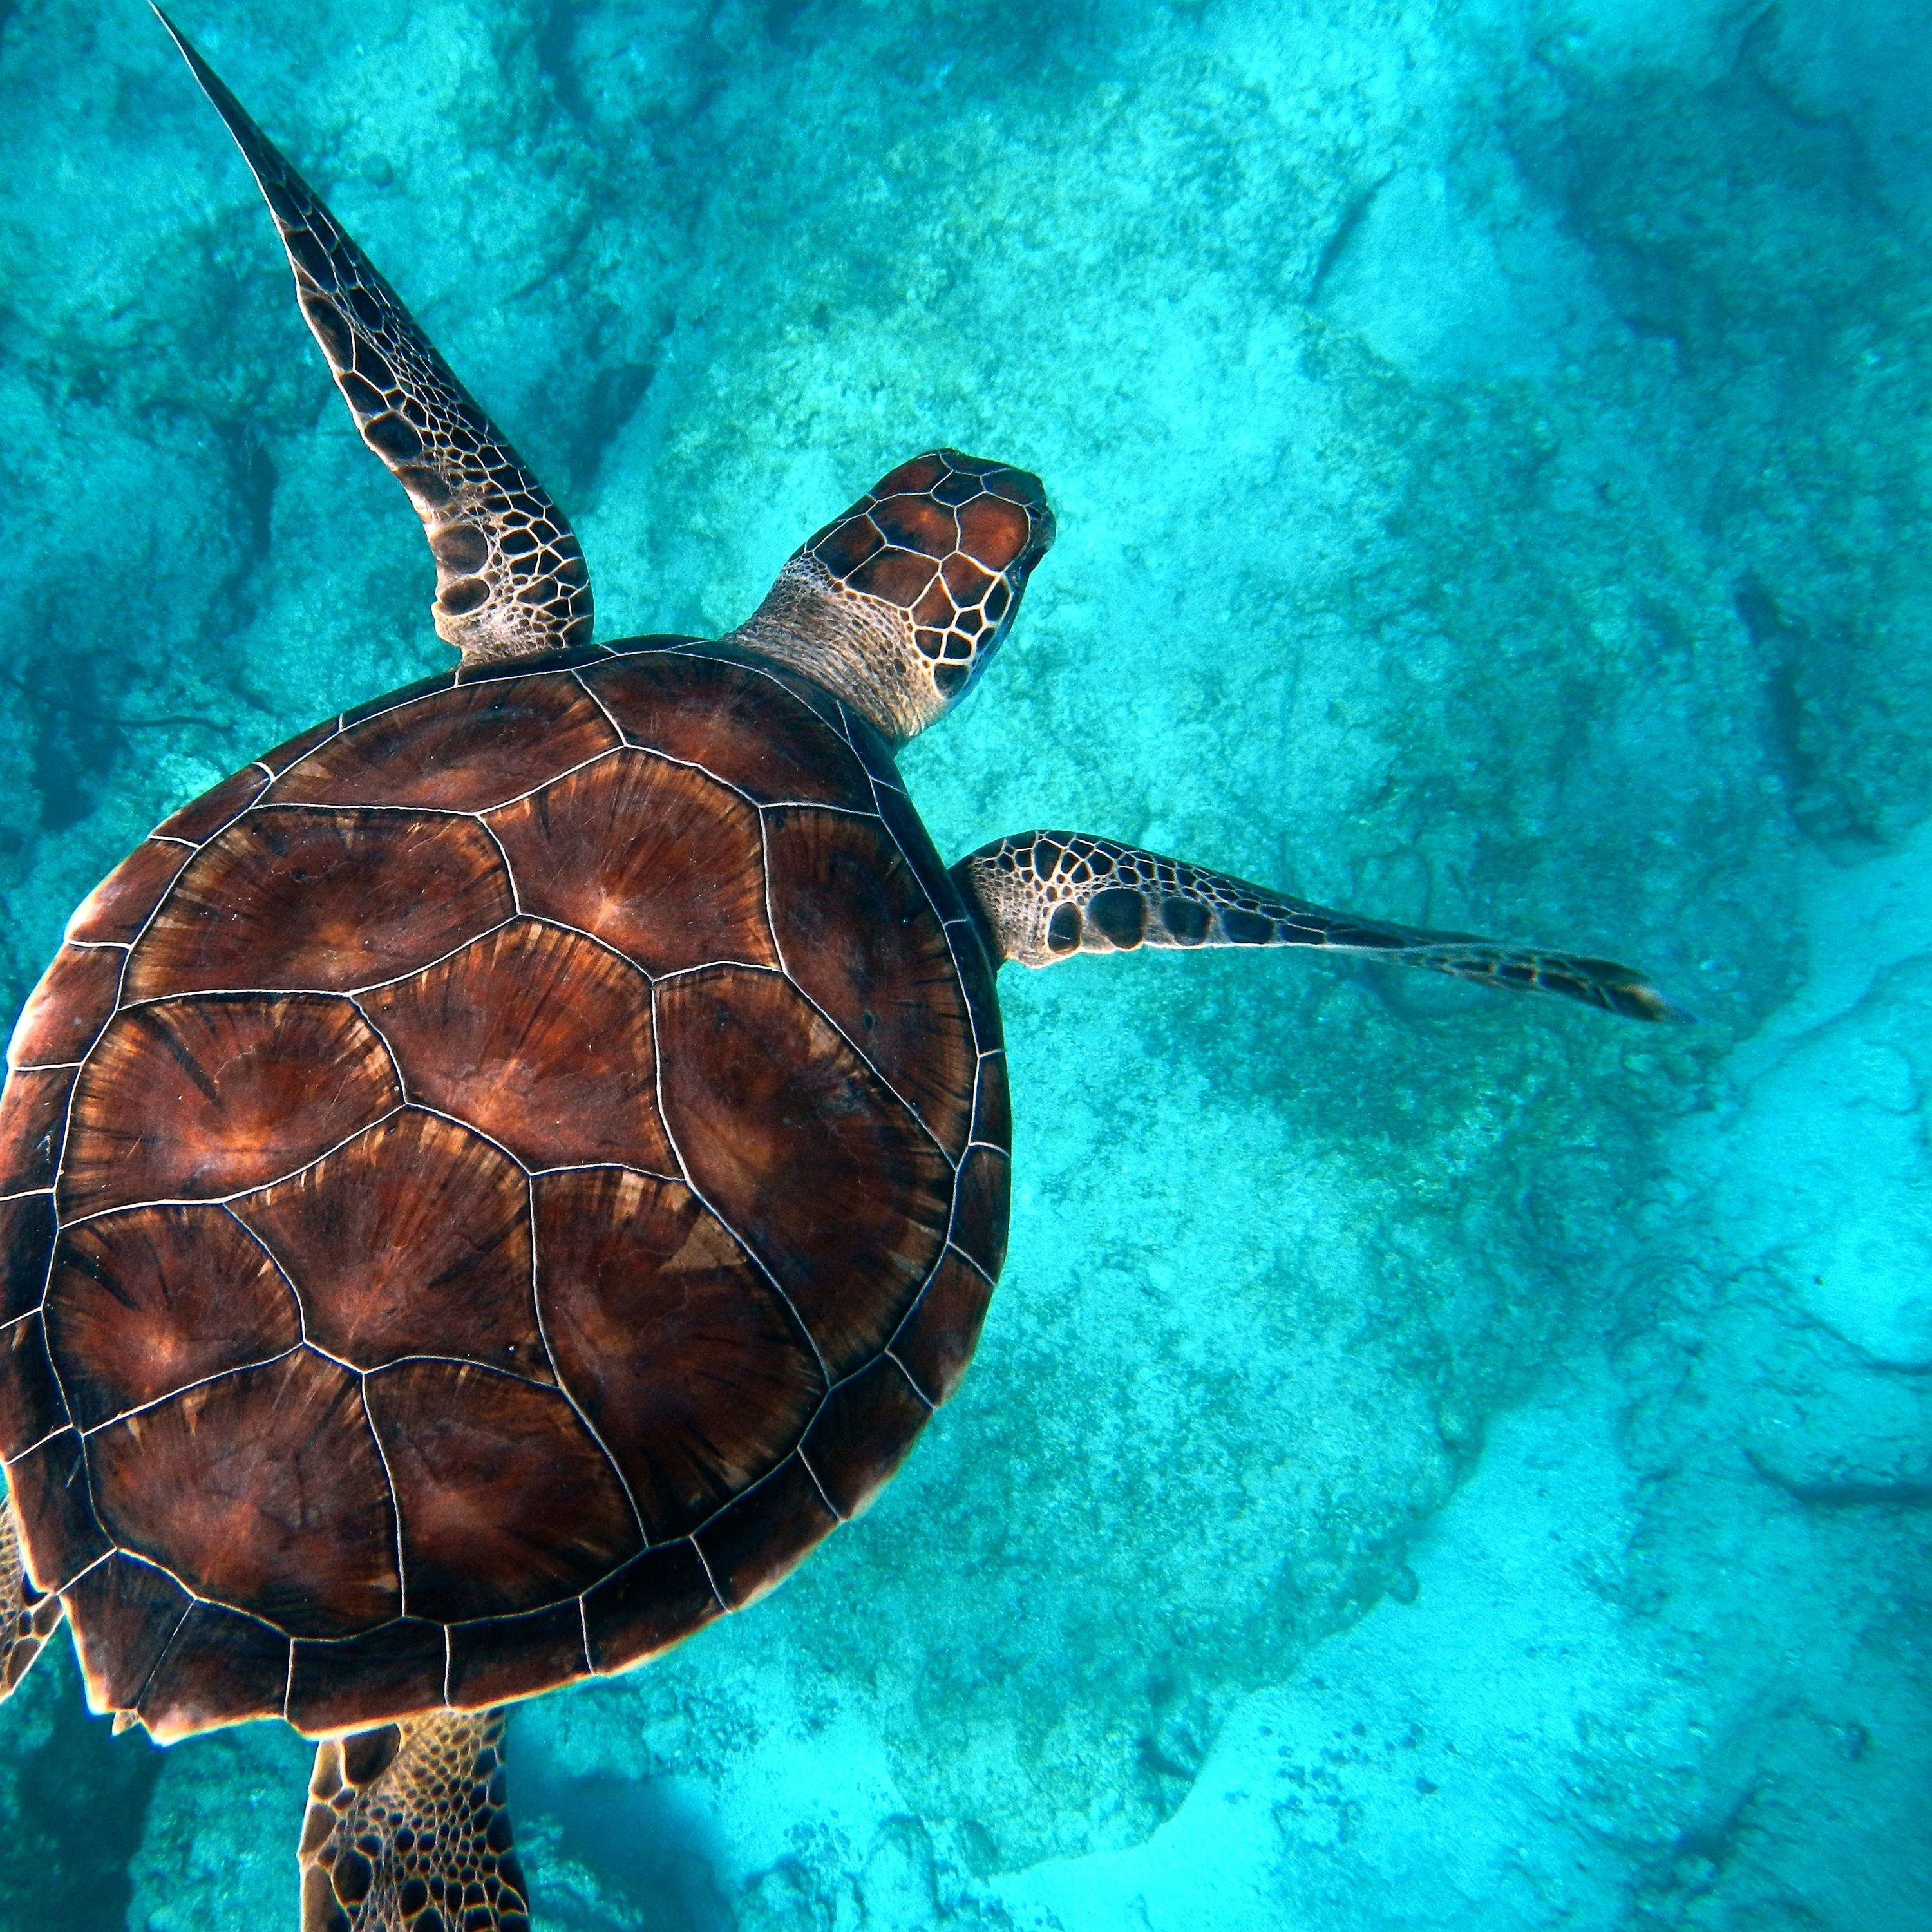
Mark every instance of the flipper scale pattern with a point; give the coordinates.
(1045, 896)
(407, 1830)
(511, 580)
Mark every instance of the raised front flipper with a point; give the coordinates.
(510, 578)
(1046, 895)
(406, 1830)
(27, 1618)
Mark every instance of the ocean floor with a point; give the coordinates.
(1433, 1461)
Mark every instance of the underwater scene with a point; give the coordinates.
(1436, 1458)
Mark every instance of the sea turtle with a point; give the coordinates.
(487, 1187)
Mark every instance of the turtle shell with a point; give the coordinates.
(487, 1188)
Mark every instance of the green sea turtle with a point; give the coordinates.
(487, 1187)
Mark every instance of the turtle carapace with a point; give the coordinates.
(489, 1186)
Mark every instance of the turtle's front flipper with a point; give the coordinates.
(1045, 896)
(27, 1618)
(406, 1832)
(510, 578)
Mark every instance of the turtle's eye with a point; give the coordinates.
(950, 540)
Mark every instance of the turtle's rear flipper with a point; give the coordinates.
(27, 1618)
(1043, 896)
(406, 1832)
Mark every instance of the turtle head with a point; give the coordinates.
(898, 605)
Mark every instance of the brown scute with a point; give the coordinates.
(809, 1159)
(262, 1490)
(189, 1100)
(397, 441)
(118, 908)
(862, 1433)
(956, 488)
(507, 1504)
(460, 598)
(965, 580)
(322, 901)
(540, 1038)
(141, 1304)
(203, 816)
(856, 930)
(366, 1755)
(922, 472)
(27, 1233)
(752, 1547)
(463, 547)
(985, 1191)
(1120, 915)
(737, 723)
(993, 532)
(655, 1600)
(992, 1104)
(1243, 928)
(654, 859)
(917, 523)
(1186, 920)
(687, 1364)
(939, 1334)
(60, 1534)
(125, 1614)
(330, 324)
(221, 1669)
(843, 546)
(894, 576)
(31, 1407)
(365, 401)
(390, 1671)
(65, 1013)
(462, 749)
(510, 1657)
(412, 1239)
(427, 489)
(33, 1125)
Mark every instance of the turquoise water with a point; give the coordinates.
(1435, 1460)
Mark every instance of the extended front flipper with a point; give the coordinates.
(510, 577)
(27, 1618)
(1044, 896)
(406, 1830)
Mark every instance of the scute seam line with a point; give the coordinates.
(238, 1194)
(698, 1194)
(395, 1496)
(557, 1367)
(188, 1388)
(838, 1515)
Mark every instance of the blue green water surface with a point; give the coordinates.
(1436, 1460)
